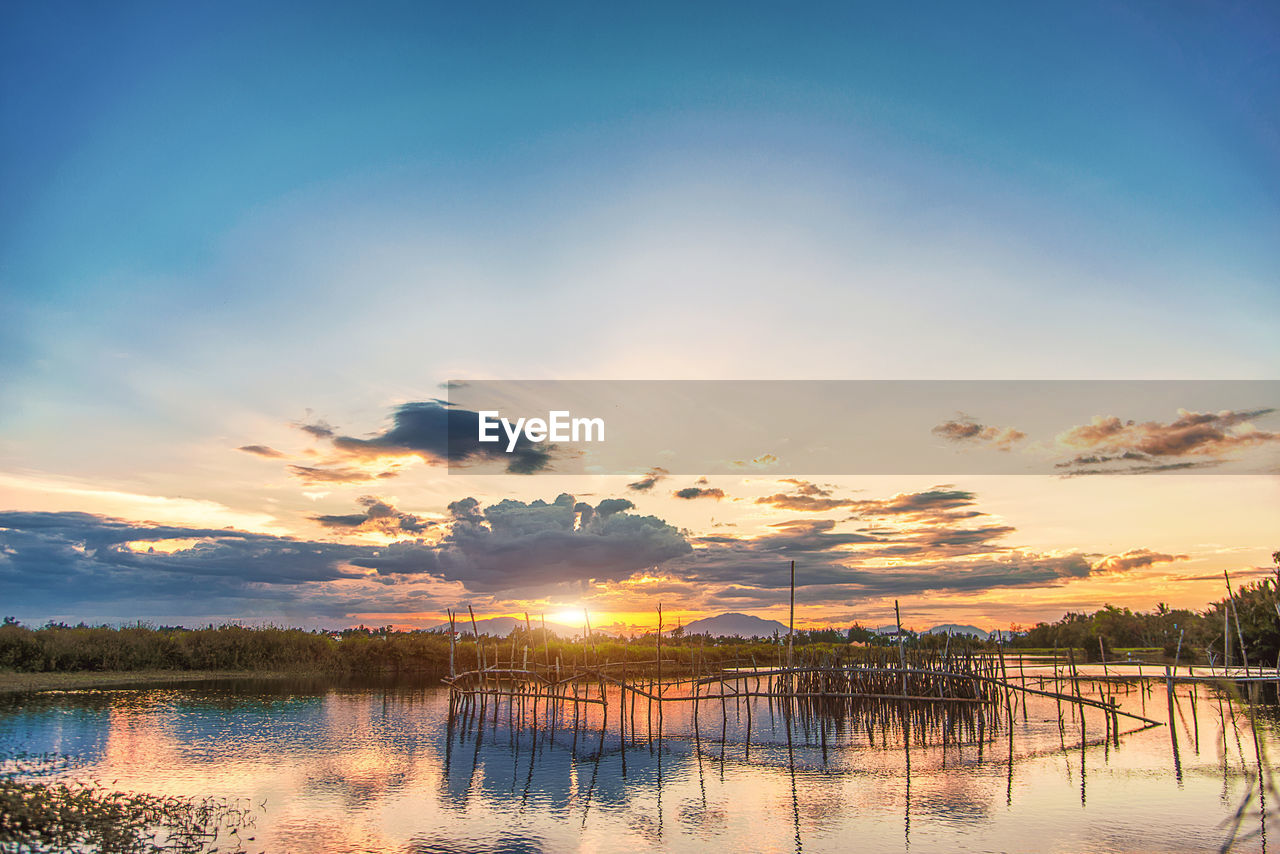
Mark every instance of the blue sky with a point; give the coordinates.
(220, 218)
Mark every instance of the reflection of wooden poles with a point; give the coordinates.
(659, 685)
(1173, 724)
(791, 618)
(1226, 637)
(902, 650)
(452, 642)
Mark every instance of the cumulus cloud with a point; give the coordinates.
(966, 429)
(514, 544)
(1192, 434)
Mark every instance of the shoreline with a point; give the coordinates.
(13, 682)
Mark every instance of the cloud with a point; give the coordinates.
(1133, 559)
(905, 544)
(80, 562)
(805, 497)
(940, 503)
(68, 562)
(317, 429)
(1022, 570)
(763, 461)
(1191, 434)
(513, 544)
(692, 492)
(319, 474)
(647, 482)
(260, 450)
(377, 516)
(966, 429)
(437, 433)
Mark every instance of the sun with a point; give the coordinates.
(567, 618)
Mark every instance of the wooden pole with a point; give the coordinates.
(1231, 598)
(453, 672)
(546, 643)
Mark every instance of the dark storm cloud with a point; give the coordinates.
(377, 516)
(439, 433)
(260, 450)
(647, 482)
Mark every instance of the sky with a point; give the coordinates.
(238, 240)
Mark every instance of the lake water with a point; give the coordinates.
(378, 767)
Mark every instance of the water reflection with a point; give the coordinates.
(358, 767)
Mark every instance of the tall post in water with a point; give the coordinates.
(902, 651)
(546, 644)
(452, 642)
(475, 631)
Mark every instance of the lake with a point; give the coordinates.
(377, 766)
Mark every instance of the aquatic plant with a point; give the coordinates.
(59, 816)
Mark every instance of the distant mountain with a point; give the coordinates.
(502, 626)
(739, 625)
(953, 629)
